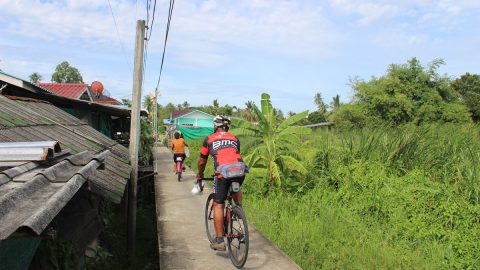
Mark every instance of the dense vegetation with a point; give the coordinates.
(381, 198)
(394, 185)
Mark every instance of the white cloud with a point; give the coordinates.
(87, 22)
(400, 39)
(369, 12)
(206, 28)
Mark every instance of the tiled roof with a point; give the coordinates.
(39, 121)
(32, 194)
(70, 90)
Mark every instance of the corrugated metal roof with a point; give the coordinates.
(28, 151)
(32, 194)
(105, 99)
(70, 90)
(179, 113)
(32, 121)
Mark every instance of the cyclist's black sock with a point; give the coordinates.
(219, 239)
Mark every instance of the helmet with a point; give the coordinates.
(221, 121)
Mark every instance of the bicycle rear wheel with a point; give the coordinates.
(209, 226)
(237, 237)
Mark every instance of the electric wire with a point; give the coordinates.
(118, 35)
(170, 11)
(155, 118)
(153, 19)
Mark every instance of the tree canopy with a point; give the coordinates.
(35, 77)
(468, 86)
(64, 73)
(407, 93)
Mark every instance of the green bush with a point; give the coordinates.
(387, 198)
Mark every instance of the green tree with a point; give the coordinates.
(320, 115)
(64, 73)
(321, 106)
(35, 77)
(335, 102)
(410, 93)
(468, 86)
(149, 104)
(126, 102)
(249, 112)
(273, 146)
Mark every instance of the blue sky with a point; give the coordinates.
(235, 50)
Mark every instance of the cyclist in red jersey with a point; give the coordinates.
(224, 147)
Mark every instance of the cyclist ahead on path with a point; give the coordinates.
(178, 148)
(224, 147)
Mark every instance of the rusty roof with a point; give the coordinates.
(22, 121)
(28, 151)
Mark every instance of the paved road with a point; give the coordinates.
(183, 243)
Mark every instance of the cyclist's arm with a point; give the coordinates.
(202, 160)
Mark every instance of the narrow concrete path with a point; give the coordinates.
(183, 243)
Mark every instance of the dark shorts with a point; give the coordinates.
(179, 155)
(221, 186)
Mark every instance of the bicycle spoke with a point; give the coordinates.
(238, 238)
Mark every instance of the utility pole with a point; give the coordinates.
(155, 130)
(135, 137)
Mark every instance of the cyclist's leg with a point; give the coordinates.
(174, 162)
(184, 157)
(219, 196)
(220, 188)
(237, 196)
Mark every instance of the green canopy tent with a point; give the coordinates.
(194, 133)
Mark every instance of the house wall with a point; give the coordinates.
(196, 119)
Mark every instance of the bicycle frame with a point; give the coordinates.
(179, 162)
(237, 237)
(227, 213)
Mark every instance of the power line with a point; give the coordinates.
(118, 35)
(153, 19)
(148, 12)
(170, 11)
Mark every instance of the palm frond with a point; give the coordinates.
(292, 120)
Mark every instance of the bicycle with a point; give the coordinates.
(235, 228)
(179, 167)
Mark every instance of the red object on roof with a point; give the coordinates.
(179, 113)
(70, 90)
(97, 88)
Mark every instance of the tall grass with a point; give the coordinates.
(379, 198)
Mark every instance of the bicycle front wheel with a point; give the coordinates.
(209, 226)
(237, 237)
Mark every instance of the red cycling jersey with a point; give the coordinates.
(224, 147)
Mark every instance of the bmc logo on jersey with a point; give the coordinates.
(224, 143)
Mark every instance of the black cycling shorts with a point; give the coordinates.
(179, 155)
(221, 186)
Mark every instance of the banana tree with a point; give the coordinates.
(270, 145)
